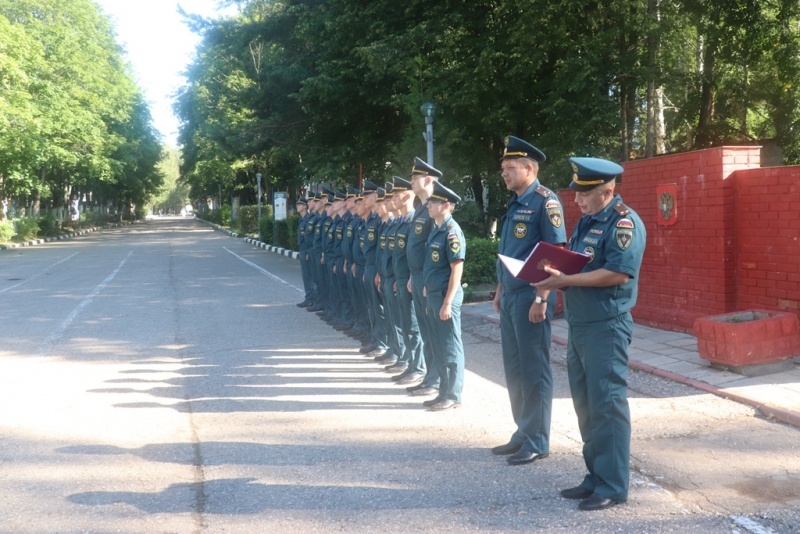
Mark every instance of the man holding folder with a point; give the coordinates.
(534, 214)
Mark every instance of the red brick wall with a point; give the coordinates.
(768, 229)
(734, 245)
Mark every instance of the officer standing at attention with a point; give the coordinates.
(369, 247)
(309, 240)
(351, 221)
(444, 265)
(303, 245)
(317, 250)
(598, 304)
(422, 178)
(534, 214)
(404, 204)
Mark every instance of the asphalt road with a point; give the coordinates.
(158, 378)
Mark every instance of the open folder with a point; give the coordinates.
(544, 254)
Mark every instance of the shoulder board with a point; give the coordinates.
(542, 190)
(622, 209)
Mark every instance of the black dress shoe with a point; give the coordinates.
(508, 448)
(315, 308)
(444, 404)
(597, 502)
(410, 378)
(304, 304)
(524, 457)
(429, 403)
(421, 392)
(576, 493)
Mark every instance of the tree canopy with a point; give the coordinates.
(310, 91)
(72, 120)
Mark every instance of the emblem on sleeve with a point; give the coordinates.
(555, 216)
(552, 203)
(624, 238)
(520, 230)
(624, 223)
(455, 245)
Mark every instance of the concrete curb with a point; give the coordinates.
(64, 237)
(255, 242)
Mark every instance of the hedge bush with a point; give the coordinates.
(281, 234)
(265, 230)
(248, 219)
(292, 221)
(6, 231)
(479, 266)
(48, 224)
(27, 228)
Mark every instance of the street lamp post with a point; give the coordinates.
(258, 179)
(428, 110)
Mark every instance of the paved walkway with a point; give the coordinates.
(673, 355)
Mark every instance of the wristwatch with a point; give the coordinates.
(538, 299)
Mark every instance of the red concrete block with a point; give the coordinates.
(748, 338)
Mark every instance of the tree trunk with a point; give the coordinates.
(654, 107)
(704, 137)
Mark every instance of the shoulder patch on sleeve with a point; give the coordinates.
(542, 190)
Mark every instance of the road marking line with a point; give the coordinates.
(48, 343)
(264, 271)
(40, 273)
(750, 525)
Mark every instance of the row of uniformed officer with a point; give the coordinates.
(367, 265)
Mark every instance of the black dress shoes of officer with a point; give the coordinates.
(304, 304)
(524, 457)
(576, 493)
(597, 502)
(444, 404)
(429, 403)
(508, 448)
(407, 378)
(423, 391)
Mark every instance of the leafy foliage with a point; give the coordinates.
(479, 267)
(72, 122)
(306, 92)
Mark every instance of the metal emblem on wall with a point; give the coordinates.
(667, 204)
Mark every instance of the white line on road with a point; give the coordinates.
(37, 275)
(48, 343)
(264, 271)
(750, 525)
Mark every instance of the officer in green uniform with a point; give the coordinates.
(369, 248)
(422, 178)
(598, 304)
(316, 255)
(412, 341)
(327, 256)
(350, 222)
(393, 323)
(444, 265)
(362, 328)
(303, 245)
(534, 214)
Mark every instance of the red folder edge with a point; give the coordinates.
(532, 269)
